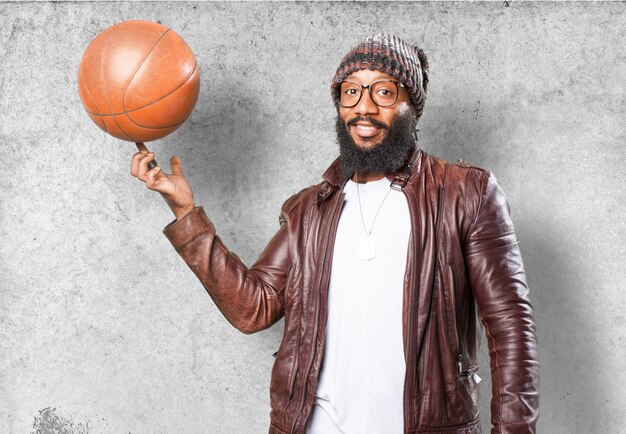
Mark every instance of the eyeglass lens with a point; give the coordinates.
(384, 93)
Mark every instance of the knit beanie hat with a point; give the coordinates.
(389, 54)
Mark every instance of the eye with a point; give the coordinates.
(350, 90)
(385, 90)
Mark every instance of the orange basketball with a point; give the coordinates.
(138, 81)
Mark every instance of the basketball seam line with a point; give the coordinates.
(152, 102)
(176, 124)
(151, 128)
(106, 91)
(139, 66)
(80, 74)
(145, 126)
(157, 128)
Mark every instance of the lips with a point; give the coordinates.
(365, 128)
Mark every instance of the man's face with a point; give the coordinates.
(367, 123)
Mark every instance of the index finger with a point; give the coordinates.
(141, 146)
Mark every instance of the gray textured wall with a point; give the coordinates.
(102, 326)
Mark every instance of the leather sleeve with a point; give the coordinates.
(251, 299)
(496, 274)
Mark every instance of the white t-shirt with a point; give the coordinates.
(362, 377)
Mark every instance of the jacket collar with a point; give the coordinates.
(399, 178)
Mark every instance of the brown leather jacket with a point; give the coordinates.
(464, 268)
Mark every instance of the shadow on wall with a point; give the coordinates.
(572, 393)
(568, 350)
(215, 139)
(566, 346)
(223, 154)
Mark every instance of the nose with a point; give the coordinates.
(365, 105)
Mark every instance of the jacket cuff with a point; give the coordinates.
(181, 232)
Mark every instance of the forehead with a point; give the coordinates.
(368, 75)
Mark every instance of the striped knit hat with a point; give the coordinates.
(389, 54)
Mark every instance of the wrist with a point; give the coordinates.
(183, 211)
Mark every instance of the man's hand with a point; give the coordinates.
(173, 187)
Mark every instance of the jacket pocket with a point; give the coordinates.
(285, 367)
(293, 370)
(293, 374)
(450, 300)
(284, 376)
(468, 380)
(463, 397)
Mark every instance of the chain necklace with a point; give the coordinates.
(367, 241)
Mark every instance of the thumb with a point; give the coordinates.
(176, 165)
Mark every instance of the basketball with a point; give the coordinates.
(138, 81)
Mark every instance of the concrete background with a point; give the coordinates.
(102, 326)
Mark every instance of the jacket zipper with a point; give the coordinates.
(420, 367)
(317, 318)
(419, 378)
(294, 366)
(411, 318)
(470, 372)
(455, 334)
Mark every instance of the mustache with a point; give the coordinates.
(372, 121)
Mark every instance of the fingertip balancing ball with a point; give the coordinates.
(138, 80)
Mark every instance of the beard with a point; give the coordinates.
(387, 156)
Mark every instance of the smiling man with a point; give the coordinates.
(374, 132)
(384, 272)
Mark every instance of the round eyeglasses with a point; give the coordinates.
(384, 93)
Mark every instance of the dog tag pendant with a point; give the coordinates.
(367, 247)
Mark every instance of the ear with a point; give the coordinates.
(415, 116)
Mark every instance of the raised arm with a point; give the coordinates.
(251, 299)
(496, 273)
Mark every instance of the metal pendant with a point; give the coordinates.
(367, 247)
